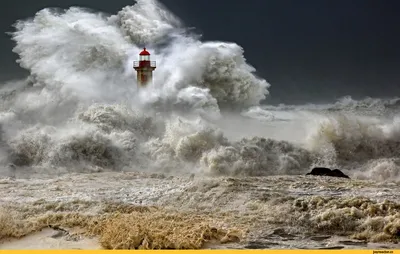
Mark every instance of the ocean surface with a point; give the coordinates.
(193, 160)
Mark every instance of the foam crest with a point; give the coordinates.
(146, 22)
(74, 49)
(367, 105)
(257, 157)
(387, 169)
(351, 138)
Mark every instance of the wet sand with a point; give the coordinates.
(52, 240)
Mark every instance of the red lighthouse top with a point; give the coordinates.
(144, 61)
(144, 52)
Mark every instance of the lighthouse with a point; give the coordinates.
(144, 68)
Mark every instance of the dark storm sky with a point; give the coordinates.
(310, 50)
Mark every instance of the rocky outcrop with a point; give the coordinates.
(320, 171)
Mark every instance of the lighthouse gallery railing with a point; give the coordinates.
(144, 64)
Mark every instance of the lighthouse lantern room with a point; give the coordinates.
(144, 68)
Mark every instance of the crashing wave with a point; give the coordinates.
(80, 108)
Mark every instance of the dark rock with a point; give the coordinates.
(319, 171)
(338, 173)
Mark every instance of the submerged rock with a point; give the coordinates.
(320, 171)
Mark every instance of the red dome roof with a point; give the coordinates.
(144, 52)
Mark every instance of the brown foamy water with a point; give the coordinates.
(154, 211)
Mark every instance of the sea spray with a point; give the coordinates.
(80, 107)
